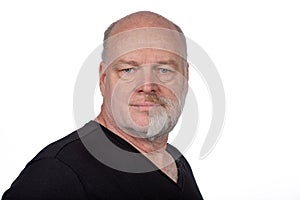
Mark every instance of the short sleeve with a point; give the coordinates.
(46, 179)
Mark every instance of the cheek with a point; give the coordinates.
(111, 86)
(120, 94)
(175, 90)
(180, 84)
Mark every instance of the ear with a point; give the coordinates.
(187, 71)
(102, 77)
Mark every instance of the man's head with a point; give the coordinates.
(140, 20)
(143, 76)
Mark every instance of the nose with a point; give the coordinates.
(148, 82)
(148, 88)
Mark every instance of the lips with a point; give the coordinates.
(147, 102)
(144, 106)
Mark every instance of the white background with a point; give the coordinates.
(255, 46)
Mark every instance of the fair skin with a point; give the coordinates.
(132, 86)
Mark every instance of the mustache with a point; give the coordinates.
(155, 99)
(151, 98)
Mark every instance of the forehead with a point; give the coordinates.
(151, 56)
(138, 41)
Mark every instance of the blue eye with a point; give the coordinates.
(163, 70)
(127, 73)
(128, 70)
(165, 74)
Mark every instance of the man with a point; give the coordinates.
(123, 153)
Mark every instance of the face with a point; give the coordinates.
(144, 91)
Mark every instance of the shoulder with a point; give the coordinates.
(51, 173)
(53, 149)
(47, 178)
(69, 144)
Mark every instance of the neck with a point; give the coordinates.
(144, 145)
(154, 150)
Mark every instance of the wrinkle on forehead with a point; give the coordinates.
(144, 38)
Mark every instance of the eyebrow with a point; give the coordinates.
(130, 62)
(134, 63)
(168, 62)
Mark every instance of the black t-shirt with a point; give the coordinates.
(94, 163)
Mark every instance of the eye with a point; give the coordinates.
(165, 73)
(163, 70)
(128, 70)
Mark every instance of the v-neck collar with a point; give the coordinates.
(123, 144)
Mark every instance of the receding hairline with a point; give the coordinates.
(139, 20)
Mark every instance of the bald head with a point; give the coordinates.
(140, 19)
(139, 30)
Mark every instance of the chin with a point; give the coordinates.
(142, 122)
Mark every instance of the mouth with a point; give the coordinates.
(145, 106)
